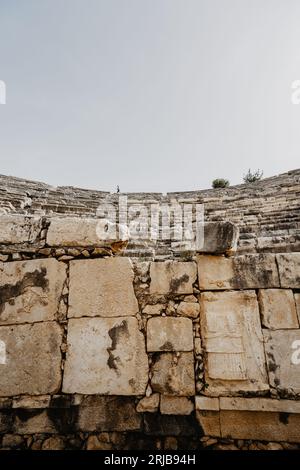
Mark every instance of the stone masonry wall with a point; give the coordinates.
(101, 350)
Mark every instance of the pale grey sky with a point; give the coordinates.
(153, 95)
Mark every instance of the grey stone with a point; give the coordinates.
(289, 270)
(173, 374)
(17, 229)
(172, 277)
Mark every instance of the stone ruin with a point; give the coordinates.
(130, 344)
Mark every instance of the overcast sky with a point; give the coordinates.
(152, 95)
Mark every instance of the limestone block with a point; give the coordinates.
(106, 414)
(260, 425)
(241, 272)
(30, 290)
(102, 287)
(33, 422)
(169, 334)
(188, 309)
(232, 339)
(283, 358)
(78, 231)
(105, 356)
(173, 374)
(289, 270)
(209, 422)
(207, 403)
(277, 308)
(154, 309)
(15, 229)
(148, 404)
(259, 404)
(174, 277)
(175, 405)
(33, 364)
(220, 237)
(25, 401)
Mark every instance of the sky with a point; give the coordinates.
(150, 95)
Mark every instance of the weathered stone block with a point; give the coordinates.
(241, 272)
(173, 374)
(209, 422)
(188, 309)
(260, 425)
(207, 403)
(33, 421)
(172, 277)
(78, 231)
(15, 229)
(233, 341)
(30, 290)
(169, 334)
(259, 404)
(102, 287)
(105, 356)
(220, 237)
(148, 404)
(33, 363)
(283, 358)
(108, 414)
(289, 270)
(277, 308)
(157, 424)
(154, 309)
(24, 401)
(175, 405)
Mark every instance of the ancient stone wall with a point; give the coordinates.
(102, 350)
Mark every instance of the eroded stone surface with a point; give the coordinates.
(30, 290)
(220, 237)
(78, 231)
(172, 277)
(233, 341)
(105, 356)
(169, 334)
(173, 374)
(33, 364)
(148, 404)
(266, 426)
(297, 300)
(175, 405)
(15, 229)
(102, 287)
(283, 358)
(108, 414)
(289, 269)
(277, 308)
(241, 272)
(259, 404)
(188, 309)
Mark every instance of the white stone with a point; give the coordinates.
(30, 290)
(33, 365)
(172, 277)
(232, 339)
(169, 334)
(277, 308)
(105, 356)
(102, 287)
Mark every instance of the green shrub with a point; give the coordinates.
(220, 183)
(251, 177)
